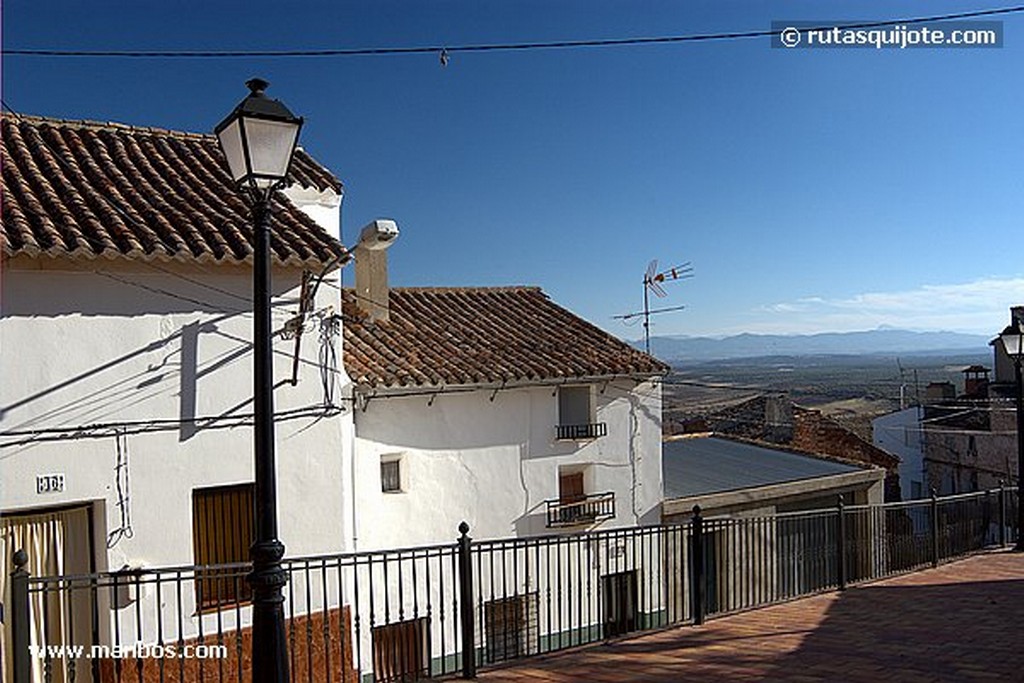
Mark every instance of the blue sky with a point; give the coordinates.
(813, 190)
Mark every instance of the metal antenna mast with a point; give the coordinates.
(652, 283)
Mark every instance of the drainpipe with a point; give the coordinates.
(352, 478)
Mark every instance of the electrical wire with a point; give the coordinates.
(123, 487)
(105, 430)
(445, 51)
(199, 283)
(158, 290)
(330, 329)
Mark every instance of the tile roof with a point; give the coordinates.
(80, 189)
(480, 335)
(779, 421)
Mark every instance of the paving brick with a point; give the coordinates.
(958, 622)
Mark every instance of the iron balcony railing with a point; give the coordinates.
(444, 610)
(593, 430)
(582, 510)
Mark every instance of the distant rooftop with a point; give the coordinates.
(702, 465)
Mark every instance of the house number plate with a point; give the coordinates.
(49, 483)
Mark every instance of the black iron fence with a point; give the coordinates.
(403, 615)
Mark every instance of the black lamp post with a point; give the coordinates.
(258, 138)
(1013, 342)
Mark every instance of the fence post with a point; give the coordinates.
(20, 622)
(841, 542)
(1002, 514)
(935, 528)
(699, 579)
(986, 521)
(466, 602)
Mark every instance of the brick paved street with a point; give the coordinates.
(961, 622)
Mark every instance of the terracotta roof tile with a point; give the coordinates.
(458, 336)
(80, 189)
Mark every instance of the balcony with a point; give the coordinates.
(582, 510)
(581, 431)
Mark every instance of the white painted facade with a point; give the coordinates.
(160, 353)
(491, 458)
(900, 433)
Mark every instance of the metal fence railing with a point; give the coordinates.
(400, 615)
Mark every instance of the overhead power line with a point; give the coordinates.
(445, 51)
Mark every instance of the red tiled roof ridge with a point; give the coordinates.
(789, 448)
(84, 189)
(454, 289)
(118, 127)
(106, 125)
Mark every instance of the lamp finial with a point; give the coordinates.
(257, 85)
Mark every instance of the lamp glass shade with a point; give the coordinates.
(230, 139)
(258, 139)
(1013, 341)
(270, 145)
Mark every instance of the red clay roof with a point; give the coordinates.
(480, 335)
(80, 189)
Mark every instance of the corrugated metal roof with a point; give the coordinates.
(703, 465)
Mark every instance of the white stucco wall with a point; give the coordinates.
(125, 344)
(322, 206)
(494, 463)
(900, 433)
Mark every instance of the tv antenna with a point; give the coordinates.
(652, 283)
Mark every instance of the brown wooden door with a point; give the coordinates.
(570, 488)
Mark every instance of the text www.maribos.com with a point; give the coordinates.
(134, 651)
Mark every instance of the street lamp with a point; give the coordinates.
(1013, 342)
(258, 139)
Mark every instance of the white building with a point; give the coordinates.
(126, 353)
(126, 443)
(900, 433)
(497, 407)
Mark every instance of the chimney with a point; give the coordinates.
(778, 419)
(976, 382)
(372, 293)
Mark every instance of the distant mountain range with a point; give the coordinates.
(880, 341)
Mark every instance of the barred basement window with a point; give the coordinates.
(223, 528)
(401, 651)
(512, 627)
(621, 610)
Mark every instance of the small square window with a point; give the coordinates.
(575, 405)
(391, 475)
(576, 414)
